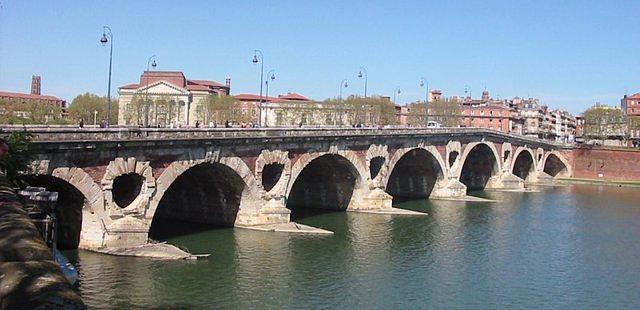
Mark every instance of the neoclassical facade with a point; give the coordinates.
(172, 99)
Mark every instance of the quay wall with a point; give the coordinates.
(606, 164)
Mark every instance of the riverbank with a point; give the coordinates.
(29, 276)
(598, 182)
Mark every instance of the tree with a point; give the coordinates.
(369, 111)
(602, 122)
(86, 105)
(18, 111)
(220, 109)
(16, 162)
(447, 113)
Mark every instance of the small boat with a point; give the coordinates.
(69, 270)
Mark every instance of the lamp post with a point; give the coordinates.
(343, 83)
(270, 76)
(424, 82)
(107, 31)
(397, 90)
(255, 61)
(361, 73)
(146, 92)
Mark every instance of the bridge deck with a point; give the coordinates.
(56, 134)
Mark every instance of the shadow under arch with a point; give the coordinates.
(554, 166)
(68, 208)
(206, 193)
(523, 164)
(325, 183)
(414, 175)
(479, 166)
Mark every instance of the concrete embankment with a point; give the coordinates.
(29, 276)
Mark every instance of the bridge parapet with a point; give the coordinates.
(56, 133)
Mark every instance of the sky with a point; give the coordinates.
(570, 54)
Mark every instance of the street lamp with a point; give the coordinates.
(146, 92)
(255, 61)
(397, 90)
(270, 75)
(343, 83)
(423, 82)
(366, 77)
(107, 31)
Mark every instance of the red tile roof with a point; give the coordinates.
(252, 97)
(206, 83)
(293, 96)
(198, 87)
(7, 94)
(130, 86)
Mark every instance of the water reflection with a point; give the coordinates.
(558, 248)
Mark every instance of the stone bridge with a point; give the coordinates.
(117, 185)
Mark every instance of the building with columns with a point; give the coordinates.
(171, 99)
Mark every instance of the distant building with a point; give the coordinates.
(183, 98)
(489, 113)
(17, 99)
(631, 108)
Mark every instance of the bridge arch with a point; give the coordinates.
(415, 172)
(272, 172)
(481, 161)
(214, 191)
(128, 186)
(556, 165)
(80, 206)
(524, 163)
(377, 162)
(325, 180)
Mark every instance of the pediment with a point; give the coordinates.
(162, 88)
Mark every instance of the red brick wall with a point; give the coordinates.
(606, 164)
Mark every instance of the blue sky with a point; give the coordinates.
(568, 53)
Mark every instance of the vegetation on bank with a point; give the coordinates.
(16, 162)
(444, 111)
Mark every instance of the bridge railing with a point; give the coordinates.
(68, 134)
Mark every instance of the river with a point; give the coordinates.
(564, 247)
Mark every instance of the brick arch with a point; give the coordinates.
(467, 150)
(307, 158)
(274, 157)
(402, 151)
(376, 150)
(94, 216)
(562, 158)
(121, 166)
(521, 149)
(175, 169)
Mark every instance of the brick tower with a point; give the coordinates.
(35, 85)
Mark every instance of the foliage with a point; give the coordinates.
(18, 111)
(602, 122)
(18, 159)
(447, 113)
(220, 109)
(85, 106)
(369, 111)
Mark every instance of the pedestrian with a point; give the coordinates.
(103, 123)
(197, 124)
(81, 125)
